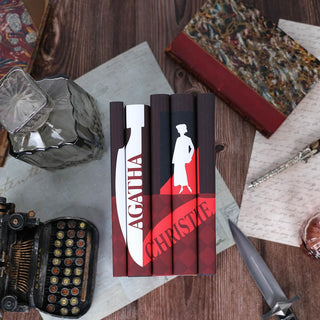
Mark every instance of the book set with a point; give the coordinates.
(163, 186)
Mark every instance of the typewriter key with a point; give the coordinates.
(64, 292)
(80, 243)
(57, 253)
(79, 262)
(79, 252)
(69, 243)
(64, 311)
(58, 244)
(66, 281)
(81, 234)
(61, 225)
(52, 298)
(63, 301)
(74, 291)
(75, 310)
(71, 234)
(73, 301)
(72, 224)
(60, 235)
(67, 262)
(56, 261)
(55, 270)
(54, 280)
(50, 308)
(82, 225)
(78, 271)
(53, 289)
(68, 252)
(76, 281)
(67, 272)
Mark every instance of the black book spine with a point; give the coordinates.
(118, 191)
(161, 184)
(184, 183)
(206, 183)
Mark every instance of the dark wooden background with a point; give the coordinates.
(82, 34)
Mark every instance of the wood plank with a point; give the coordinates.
(81, 35)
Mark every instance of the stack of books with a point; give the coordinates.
(163, 186)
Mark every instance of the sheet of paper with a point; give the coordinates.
(276, 209)
(84, 191)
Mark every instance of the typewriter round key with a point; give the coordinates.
(66, 281)
(52, 298)
(56, 261)
(60, 235)
(78, 271)
(80, 243)
(68, 252)
(74, 291)
(58, 243)
(54, 280)
(82, 225)
(79, 252)
(50, 308)
(64, 301)
(55, 270)
(64, 311)
(69, 243)
(57, 253)
(53, 289)
(71, 234)
(61, 225)
(67, 262)
(67, 272)
(75, 310)
(64, 292)
(79, 262)
(72, 224)
(74, 301)
(76, 281)
(81, 234)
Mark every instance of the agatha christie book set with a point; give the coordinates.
(163, 186)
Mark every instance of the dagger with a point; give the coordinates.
(303, 155)
(267, 284)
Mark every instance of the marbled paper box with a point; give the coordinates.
(247, 61)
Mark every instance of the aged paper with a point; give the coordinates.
(84, 191)
(276, 209)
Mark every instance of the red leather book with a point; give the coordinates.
(206, 203)
(161, 156)
(247, 61)
(184, 184)
(118, 188)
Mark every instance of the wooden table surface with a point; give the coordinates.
(82, 34)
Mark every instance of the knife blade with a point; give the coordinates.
(276, 299)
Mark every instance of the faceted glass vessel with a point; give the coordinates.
(52, 123)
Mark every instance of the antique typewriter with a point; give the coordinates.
(49, 266)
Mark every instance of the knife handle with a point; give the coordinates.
(290, 315)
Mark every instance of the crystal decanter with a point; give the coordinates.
(52, 123)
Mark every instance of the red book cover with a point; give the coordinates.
(138, 189)
(206, 184)
(184, 184)
(161, 190)
(118, 188)
(247, 61)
